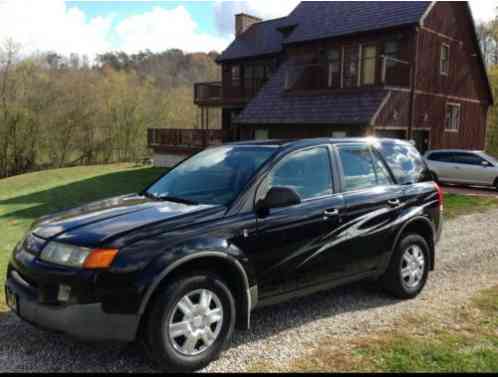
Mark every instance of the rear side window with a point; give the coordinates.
(405, 162)
(361, 168)
(469, 159)
(308, 172)
(443, 157)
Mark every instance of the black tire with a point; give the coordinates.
(159, 346)
(496, 184)
(392, 280)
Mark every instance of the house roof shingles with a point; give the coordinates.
(261, 38)
(272, 106)
(323, 19)
(327, 19)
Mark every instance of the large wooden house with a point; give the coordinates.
(410, 70)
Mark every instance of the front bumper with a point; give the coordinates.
(83, 321)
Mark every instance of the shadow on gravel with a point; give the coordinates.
(24, 348)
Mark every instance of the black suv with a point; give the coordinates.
(232, 228)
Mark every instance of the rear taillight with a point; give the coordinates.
(440, 196)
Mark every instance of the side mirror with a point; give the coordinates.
(278, 197)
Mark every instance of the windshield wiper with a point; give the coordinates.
(171, 199)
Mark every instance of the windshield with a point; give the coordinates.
(214, 176)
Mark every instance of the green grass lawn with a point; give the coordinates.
(26, 197)
(456, 204)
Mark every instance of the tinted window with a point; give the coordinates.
(443, 157)
(469, 159)
(307, 172)
(361, 168)
(214, 176)
(405, 162)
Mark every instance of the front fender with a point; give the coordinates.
(168, 261)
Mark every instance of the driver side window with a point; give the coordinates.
(307, 172)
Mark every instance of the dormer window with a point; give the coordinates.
(444, 66)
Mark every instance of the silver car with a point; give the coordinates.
(463, 167)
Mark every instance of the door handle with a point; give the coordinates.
(330, 213)
(394, 202)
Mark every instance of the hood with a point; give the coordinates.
(98, 222)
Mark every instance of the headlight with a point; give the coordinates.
(78, 257)
(65, 254)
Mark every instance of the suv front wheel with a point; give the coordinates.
(408, 270)
(189, 323)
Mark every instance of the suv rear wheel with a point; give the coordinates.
(408, 270)
(189, 323)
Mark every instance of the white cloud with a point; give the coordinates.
(483, 10)
(52, 25)
(160, 29)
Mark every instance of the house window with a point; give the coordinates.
(259, 76)
(444, 65)
(351, 63)
(391, 52)
(368, 65)
(261, 134)
(453, 115)
(248, 77)
(235, 76)
(334, 61)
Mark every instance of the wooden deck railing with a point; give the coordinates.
(212, 91)
(184, 138)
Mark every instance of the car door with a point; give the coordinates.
(441, 163)
(292, 242)
(373, 202)
(473, 169)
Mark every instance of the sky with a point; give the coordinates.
(93, 27)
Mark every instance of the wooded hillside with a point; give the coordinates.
(57, 111)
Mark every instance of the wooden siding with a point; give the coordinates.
(395, 112)
(431, 112)
(450, 24)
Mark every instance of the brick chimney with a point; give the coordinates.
(243, 21)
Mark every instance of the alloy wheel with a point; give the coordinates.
(196, 322)
(412, 266)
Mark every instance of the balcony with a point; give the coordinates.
(183, 140)
(213, 93)
(209, 94)
(372, 72)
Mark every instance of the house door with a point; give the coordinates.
(421, 138)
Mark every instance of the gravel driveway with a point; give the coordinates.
(467, 262)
